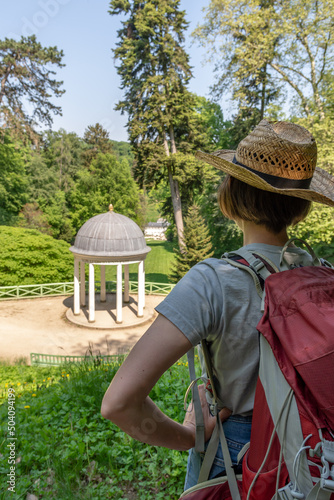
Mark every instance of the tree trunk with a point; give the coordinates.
(263, 93)
(175, 194)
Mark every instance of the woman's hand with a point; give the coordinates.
(209, 420)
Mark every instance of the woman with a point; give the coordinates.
(272, 179)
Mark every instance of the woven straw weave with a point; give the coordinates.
(283, 150)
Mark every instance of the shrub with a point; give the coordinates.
(30, 257)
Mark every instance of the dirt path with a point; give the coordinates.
(40, 326)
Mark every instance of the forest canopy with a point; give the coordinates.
(272, 60)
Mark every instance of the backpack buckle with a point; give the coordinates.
(257, 265)
(213, 407)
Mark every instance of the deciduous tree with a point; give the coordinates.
(13, 176)
(106, 181)
(290, 41)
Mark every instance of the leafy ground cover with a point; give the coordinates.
(66, 450)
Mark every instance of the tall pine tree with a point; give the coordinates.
(27, 77)
(154, 70)
(97, 140)
(197, 241)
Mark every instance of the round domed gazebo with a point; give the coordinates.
(108, 239)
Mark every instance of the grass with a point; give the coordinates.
(157, 264)
(66, 450)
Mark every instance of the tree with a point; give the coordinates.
(211, 117)
(26, 77)
(318, 230)
(97, 139)
(13, 177)
(290, 41)
(33, 218)
(154, 70)
(105, 181)
(62, 152)
(197, 244)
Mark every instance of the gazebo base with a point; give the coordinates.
(105, 313)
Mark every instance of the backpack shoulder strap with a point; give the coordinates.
(257, 265)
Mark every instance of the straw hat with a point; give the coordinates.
(279, 157)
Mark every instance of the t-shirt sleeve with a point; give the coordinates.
(194, 303)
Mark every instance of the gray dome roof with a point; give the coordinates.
(110, 235)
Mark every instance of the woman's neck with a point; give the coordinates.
(254, 233)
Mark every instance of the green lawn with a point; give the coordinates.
(157, 264)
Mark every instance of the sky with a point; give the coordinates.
(86, 33)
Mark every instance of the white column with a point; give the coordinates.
(126, 283)
(141, 289)
(91, 294)
(82, 284)
(76, 307)
(119, 297)
(103, 284)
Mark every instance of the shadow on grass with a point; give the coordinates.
(156, 278)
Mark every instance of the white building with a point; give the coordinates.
(156, 230)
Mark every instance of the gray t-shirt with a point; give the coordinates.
(218, 302)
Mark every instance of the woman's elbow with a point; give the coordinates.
(112, 408)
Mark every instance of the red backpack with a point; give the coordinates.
(291, 451)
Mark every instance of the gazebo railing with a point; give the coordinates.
(54, 289)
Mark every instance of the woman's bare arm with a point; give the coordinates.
(126, 402)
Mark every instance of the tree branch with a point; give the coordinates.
(288, 80)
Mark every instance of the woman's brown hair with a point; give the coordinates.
(276, 212)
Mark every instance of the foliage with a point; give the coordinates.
(30, 257)
(105, 181)
(225, 234)
(197, 245)
(155, 71)
(33, 218)
(7, 218)
(122, 150)
(322, 131)
(318, 230)
(65, 449)
(97, 140)
(26, 77)
(43, 180)
(27, 378)
(289, 45)
(58, 216)
(217, 129)
(13, 264)
(63, 154)
(13, 177)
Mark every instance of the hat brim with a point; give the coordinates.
(321, 189)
